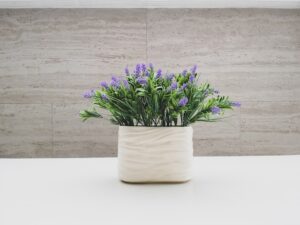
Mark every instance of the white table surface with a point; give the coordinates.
(261, 190)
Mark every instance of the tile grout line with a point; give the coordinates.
(52, 144)
(146, 35)
(240, 128)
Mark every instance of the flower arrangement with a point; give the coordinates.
(146, 97)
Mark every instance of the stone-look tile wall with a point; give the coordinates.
(48, 57)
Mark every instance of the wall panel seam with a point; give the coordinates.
(52, 131)
(146, 36)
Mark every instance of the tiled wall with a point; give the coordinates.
(48, 57)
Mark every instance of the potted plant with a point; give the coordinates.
(154, 112)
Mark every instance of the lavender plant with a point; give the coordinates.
(146, 97)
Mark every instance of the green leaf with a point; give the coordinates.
(86, 114)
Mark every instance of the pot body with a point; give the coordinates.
(155, 154)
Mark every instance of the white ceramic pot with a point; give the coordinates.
(155, 154)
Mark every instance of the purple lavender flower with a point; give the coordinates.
(235, 104)
(170, 76)
(104, 97)
(147, 74)
(192, 78)
(126, 84)
(104, 84)
(114, 78)
(182, 102)
(115, 82)
(183, 86)
(137, 71)
(215, 110)
(193, 70)
(89, 94)
(142, 80)
(144, 68)
(158, 74)
(173, 86)
(151, 66)
(127, 71)
(184, 73)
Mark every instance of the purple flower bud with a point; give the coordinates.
(192, 78)
(126, 84)
(170, 76)
(151, 66)
(142, 80)
(89, 94)
(114, 78)
(144, 68)
(235, 104)
(184, 73)
(182, 102)
(127, 71)
(137, 71)
(173, 86)
(193, 70)
(183, 86)
(158, 74)
(215, 110)
(104, 84)
(104, 97)
(115, 82)
(147, 74)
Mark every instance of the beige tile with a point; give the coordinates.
(250, 55)
(294, 113)
(58, 87)
(266, 128)
(225, 40)
(274, 87)
(25, 130)
(217, 147)
(218, 138)
(227, 127)
(55, 54)
(256, 86)
(74, 138)
(270, 128)
(267, 116)
(270, 143)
